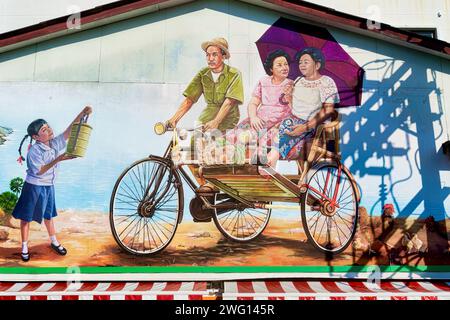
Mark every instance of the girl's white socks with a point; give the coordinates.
(25, 247)
(54, 241)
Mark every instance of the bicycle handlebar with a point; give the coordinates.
(161, 128)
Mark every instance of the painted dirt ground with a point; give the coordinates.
(89, 242)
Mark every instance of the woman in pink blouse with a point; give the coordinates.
(266, 108)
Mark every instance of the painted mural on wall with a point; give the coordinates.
(213, 194)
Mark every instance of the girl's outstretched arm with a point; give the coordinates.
(48, 166)
(86, 110)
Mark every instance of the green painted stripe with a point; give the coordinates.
(262, 269)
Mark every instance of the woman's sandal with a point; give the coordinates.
(59, 249)
(25, 256)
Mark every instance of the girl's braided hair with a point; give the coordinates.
(33, 129)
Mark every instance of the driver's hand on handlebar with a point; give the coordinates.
(211, 125)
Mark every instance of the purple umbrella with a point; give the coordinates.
(292, 36)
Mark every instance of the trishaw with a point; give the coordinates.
(147, 201)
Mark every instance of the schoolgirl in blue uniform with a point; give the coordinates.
(37, 199)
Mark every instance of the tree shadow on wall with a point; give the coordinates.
(400, 108)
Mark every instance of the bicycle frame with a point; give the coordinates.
(192, 185)
(331, 201)
(302, 187)
(183, 173)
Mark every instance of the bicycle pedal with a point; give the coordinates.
(206, 194)
(202, 221)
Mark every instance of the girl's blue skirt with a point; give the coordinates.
(35, 203)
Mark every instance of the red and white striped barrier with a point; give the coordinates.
(106, 291)
(336, 290)
(233, 290)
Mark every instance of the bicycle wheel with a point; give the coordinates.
(330, 227)
(241, 225)
(145, 207)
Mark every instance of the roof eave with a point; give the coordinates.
(312, 13)
(383, 33)
(59, 28)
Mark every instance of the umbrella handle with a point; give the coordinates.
(282, 101)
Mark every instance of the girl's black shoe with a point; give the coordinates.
(25, 256)
(59, 249)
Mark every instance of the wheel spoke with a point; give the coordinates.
(134, 184)
(255, 218)
(125, 229)
(156, 232)
(255, 230)
(136, 197)
(152, 178)
(319, 186)
(165, 216)
(323, 224)
(315, 224)
(129, 209)
(151, 233)
(228, 216)
(135, 203)
(345, 220)
(160, 228)
(351, 223)
(141, 181)
(136, 174)
(126, 218)
(128, 194)
(169, 223)
(344, 192)
(315, 214)
(136, 233)
(131, 229)
(337, 231)
(236, 221)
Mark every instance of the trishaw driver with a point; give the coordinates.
(222, 89)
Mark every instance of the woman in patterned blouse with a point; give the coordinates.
(313, 97)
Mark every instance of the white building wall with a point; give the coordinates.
(399, 13)
(15, 14)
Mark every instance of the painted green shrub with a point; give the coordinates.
(9, 199)
(16, 185)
